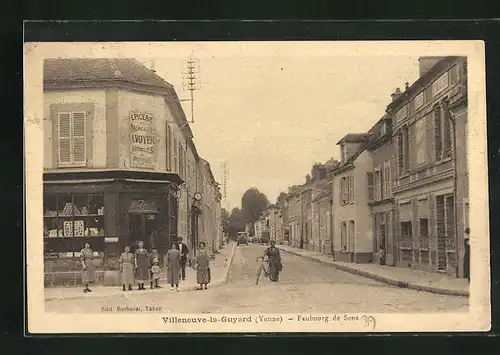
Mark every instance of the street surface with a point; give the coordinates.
(305, 286)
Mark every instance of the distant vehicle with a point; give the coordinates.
(242, 238)
(264, 239)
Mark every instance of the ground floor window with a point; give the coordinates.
(70, 221)
(343, 236)
(406, 229)
(423, 228)
(351, 236)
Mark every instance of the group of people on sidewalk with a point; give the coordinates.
(141, 266)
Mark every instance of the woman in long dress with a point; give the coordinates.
(88, 269)
(141, 265)
(467, 254)
(274, 257)
(202, 267)
(127, 263)
(173, 262)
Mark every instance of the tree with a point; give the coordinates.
(225, 220)
(236, 223)
(253, 203)
(281, 198)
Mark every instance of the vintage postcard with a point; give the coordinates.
(256, 187)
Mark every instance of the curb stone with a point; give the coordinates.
(120, 293)
(385, 279)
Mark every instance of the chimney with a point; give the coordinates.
(426, 63)
(396, 94)
(407, 85)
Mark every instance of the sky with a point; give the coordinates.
(271, 115)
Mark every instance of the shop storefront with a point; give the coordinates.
(109, 210)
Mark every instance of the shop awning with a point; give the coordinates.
(82, 175)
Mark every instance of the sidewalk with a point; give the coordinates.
(219, 268)
(397, 276)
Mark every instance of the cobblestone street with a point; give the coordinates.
(305, 286)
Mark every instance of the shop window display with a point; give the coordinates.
(70, 221)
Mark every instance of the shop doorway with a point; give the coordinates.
(143, 227)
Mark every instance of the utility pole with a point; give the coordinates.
(224, 180)
(191, 79)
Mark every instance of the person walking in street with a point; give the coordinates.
(467, 254)
(154, 255)
(141, 265)
(183, 249)
(274, 260)
(88, 269)
(202, 267)
(173, 262)
(127, 263)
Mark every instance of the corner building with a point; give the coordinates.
(117, 150)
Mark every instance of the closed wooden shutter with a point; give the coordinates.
(438, 146)
(369, 178)
(397, 235)
(390, 232)
(432, 222)
(341, 192)
(64, 138)
(79, 136)
(351, 189)
(168, 138)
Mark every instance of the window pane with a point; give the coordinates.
(420, 141)
(65, 205)
(418, 101)
(96, 205)
(50, 205)
(81, 205)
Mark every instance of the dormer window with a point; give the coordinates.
(383, 128)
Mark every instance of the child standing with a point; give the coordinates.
(154, 255)
(155, 273)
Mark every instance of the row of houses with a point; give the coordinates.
(121, 164)
(399, 195)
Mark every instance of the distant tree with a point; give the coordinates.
(332, 164)
(236, 223)
(281, 198)
(253, 203)
(225, 220)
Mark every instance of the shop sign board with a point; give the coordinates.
(144, 206)
(143, 140)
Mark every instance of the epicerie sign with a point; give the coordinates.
(142, 140)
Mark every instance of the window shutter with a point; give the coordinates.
(389, 229)
(400, 153)
(432, 223)
(341, 192)
(79, 146)
(438, 133)
(397, 232)
(369, 178)
(168, 138)
(64, 138)
(351, 189)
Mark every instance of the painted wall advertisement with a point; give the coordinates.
(143, 140)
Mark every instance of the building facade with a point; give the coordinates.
(322, 231)
(431, 181)
(380, 197)
(353, 229)
(119, 161)
(293, 203)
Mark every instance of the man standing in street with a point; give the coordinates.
(184, 252)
